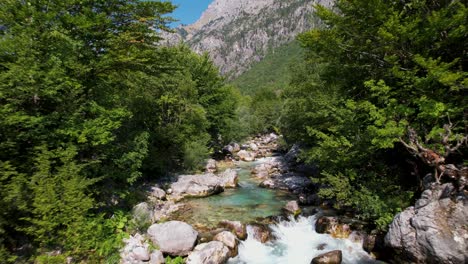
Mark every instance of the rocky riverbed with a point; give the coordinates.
(258, 206)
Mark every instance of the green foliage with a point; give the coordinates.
(177, 260)
(195, 154)
(46, 259)
(90, 104)
(272, 72)
(375, 69)
(261, 87)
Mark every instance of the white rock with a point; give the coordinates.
(141, 253)
(158, 193)
(213, 252)
(228, 239)
(157, 258)
(175, 238)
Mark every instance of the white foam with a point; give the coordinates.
(297, 242)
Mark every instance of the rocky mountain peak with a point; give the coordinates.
(237, 33)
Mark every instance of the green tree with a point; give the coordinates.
(63, 72)
(380, 77)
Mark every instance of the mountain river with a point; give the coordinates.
(296, 240)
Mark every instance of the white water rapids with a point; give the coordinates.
(297, 243)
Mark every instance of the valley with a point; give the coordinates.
(267, 131)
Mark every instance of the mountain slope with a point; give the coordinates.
(237, 33)
(271, 72)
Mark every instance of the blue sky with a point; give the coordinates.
(189, 10)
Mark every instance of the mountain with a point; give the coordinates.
(273, 71)
(237, 33)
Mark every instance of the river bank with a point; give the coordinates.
(244, 209)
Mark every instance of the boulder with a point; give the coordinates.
(332, 257)
(374, 242)
(141, 254)
(270, 138)
(325, 224)
(262, 170)
(236, 227)
(332, 226)
(213, 252)
(253, 147)
(174, 238)
(228, 239)
(157, 257)
(246, 155)
(270, 184)
(210, 166)
(296, 183)
(235, 147)
(434, 230)
(309, 199)
(322, 246)
(196, 186)
(293, 154)
(260, 233)
(293, 208)
(158, 193)
(228, 150)
(164, 210)
(231, 149)
(135, 250)
(229, 178)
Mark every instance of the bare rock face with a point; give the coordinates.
(214, 252)
(434, 230)
(238, 33)
(332, 257)
(174, 238)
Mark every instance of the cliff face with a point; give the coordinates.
(237, 33)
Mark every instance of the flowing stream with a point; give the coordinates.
(296, 240)
(246, 203)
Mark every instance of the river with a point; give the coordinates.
(296, 240)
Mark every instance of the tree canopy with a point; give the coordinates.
(380, 78)
(90, 103)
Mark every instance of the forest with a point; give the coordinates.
(93, 105)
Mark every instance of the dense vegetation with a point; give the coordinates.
(89, 105)
(272, 72)
(261, 88)
(381, 78)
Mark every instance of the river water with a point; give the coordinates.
(297, 243)
(296, 240)
(246, 203)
